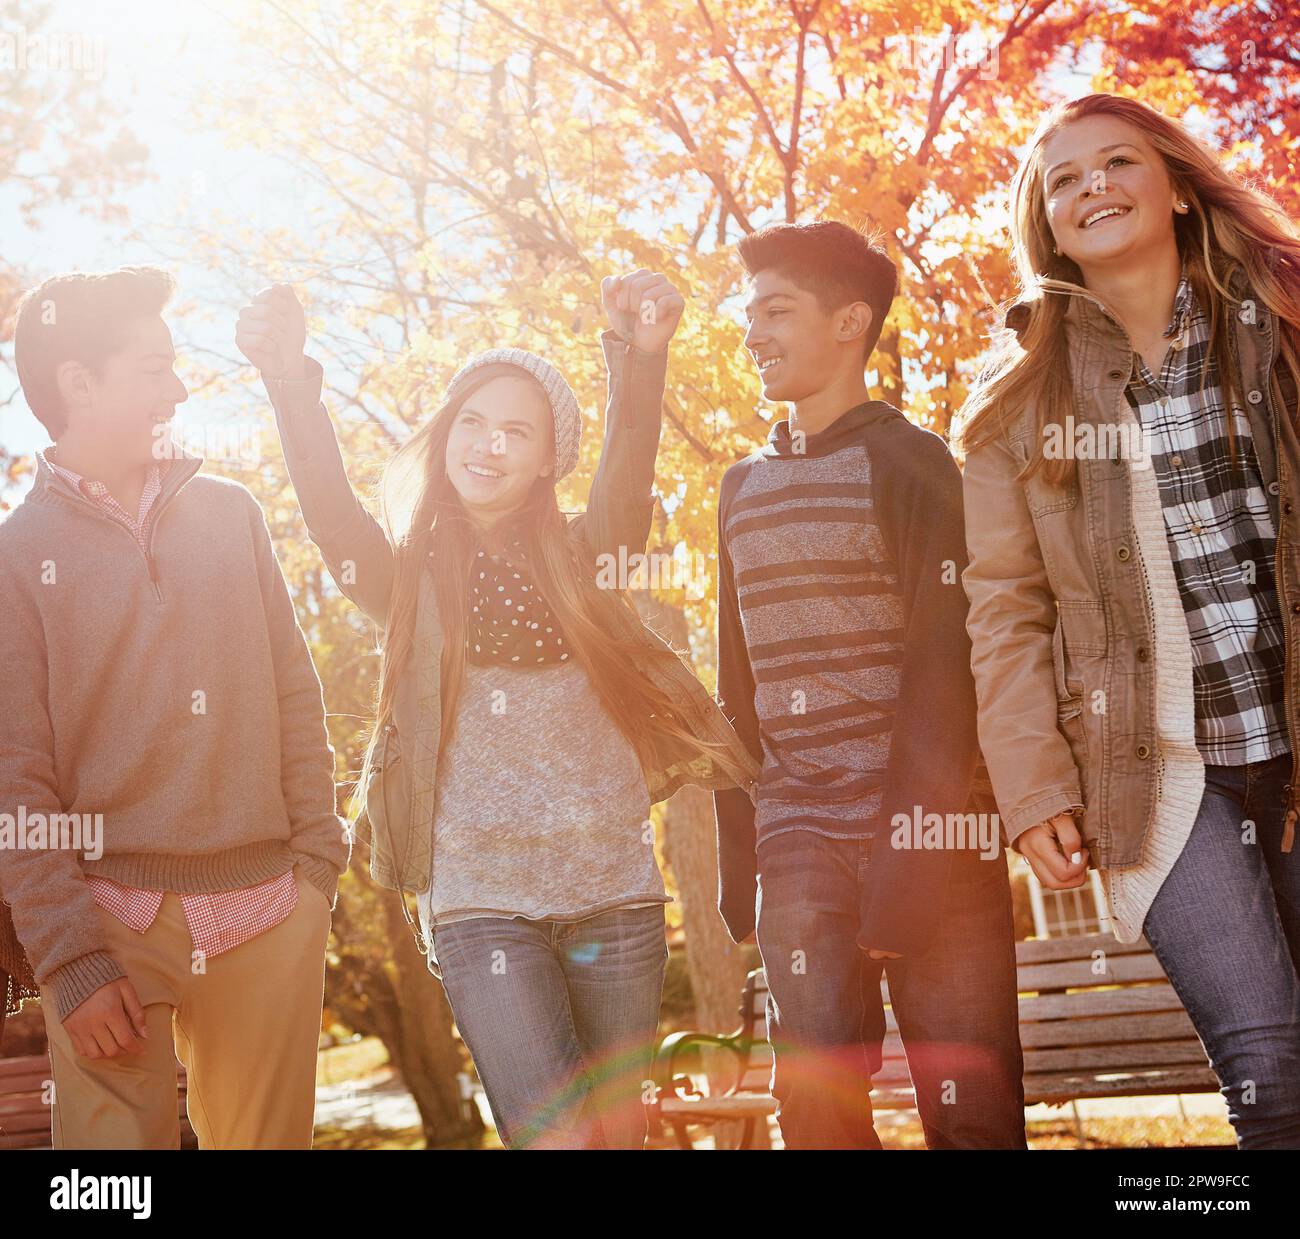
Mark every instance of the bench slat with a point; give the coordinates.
(1097, 1059)
(1109, 1029)
(1075, 946)
(1079, 974)
(1068, 1087)
(1133, 998)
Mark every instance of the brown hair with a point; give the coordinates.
(1229, 225)
(79, 317)
(836, 263)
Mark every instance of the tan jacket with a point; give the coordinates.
(1060, 617)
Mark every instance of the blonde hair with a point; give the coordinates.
(1228, 225)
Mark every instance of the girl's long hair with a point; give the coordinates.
(1228, 225)
(423, 513)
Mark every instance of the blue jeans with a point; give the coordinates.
(560, 1018)
(955, 1003)
(1225, 926)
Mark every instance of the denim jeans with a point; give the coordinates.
(955, 1003)
(560, 1018)
(1225, 926)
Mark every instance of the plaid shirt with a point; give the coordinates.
(1222, 541)
(220, 921)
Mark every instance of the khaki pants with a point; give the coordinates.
(246, 1028)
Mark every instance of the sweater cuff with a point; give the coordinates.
(303, 393)
(322, 875)
(622, 354)
(74, 982)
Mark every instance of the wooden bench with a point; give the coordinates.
(1098, 1018)
(25, 1114)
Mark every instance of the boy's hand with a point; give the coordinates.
(1055, 852)
(272, 333)
(109, 1023)
(643, 307)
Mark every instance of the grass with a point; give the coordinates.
(350, 1061)
(1126, 1132)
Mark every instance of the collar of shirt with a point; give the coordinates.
(99, 494)
(1185, 307)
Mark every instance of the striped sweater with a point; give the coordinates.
(843, 657)
(822, 616)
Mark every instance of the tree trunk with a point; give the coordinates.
(716, 964)
(382, 987)
(429, 1055)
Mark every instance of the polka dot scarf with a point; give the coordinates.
(508, 622)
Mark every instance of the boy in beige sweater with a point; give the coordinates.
(169, 846)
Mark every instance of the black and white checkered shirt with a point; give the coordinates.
(1222, 542)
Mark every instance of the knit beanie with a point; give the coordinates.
(564, 404)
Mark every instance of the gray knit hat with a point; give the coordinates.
(564, 404)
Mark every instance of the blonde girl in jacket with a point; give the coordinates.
(535, 716)
(1131, 484)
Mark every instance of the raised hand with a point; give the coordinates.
(643, 307)
(272, 333)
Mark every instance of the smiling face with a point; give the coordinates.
(796, 345)
(1108, 195)
(124, 408)
(500, 443)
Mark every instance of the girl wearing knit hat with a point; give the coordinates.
(527, 718)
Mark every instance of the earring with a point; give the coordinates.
(1182, 207)
(1056, 251)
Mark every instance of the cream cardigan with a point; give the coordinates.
(1181, 779)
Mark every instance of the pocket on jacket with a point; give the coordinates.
(1069, 705)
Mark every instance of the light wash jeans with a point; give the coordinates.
(1226, 928)
(560, 1018)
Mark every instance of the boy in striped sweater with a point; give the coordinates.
(843, 660)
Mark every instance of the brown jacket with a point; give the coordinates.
(1059, 620)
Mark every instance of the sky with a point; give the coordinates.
(153, 58)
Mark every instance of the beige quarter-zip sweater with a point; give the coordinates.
(168, 689)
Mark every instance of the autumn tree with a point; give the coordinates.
(1234, 67)
(62, 142)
